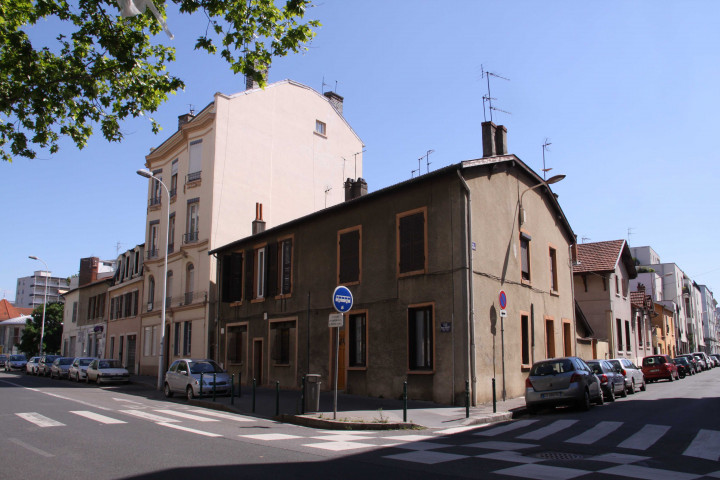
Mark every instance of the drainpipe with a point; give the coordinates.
(470, 306)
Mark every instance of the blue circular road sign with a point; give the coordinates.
(503, 299)
(342, 299)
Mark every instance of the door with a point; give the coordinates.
(257, 361)
(131, 342)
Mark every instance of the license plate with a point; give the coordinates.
(550, 395)
(654, 370)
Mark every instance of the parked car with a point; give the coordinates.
(611, 381)
(183, 376)
(44, 365)
(683, 365)
(78, 368)
(702, 363)
(562, 381)
(32, 365)
(60, 367)
(715, 361)
(716, 356)
(106, 370)
(3, 359)
(656, 367)
(709, 363)
(692, 360)
(634, 377)
(15, 362)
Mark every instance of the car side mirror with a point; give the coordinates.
(184, 372)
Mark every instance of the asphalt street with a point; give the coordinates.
(58, 429)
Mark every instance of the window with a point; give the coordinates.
(567, 338)
(189, 283)
(628, 343)
(550, 338)
(147, 341)
(232, 275)
(187, 337)
(173, 178)
(155, 340)
(282, 332)
(260, 267)
(357, 339)
(525, 256)
(320, 127)
(156, 196)
(411, 236)
(168, 289)
(420, 338)
(195, 165)
(236, 340)
(553, 270)
(617, 285)
(286, 266)
(525, 334)
(619, 333)
(193, 221)
(349, 256)
(153, 240)
(151, 293)
(111, 352)
(74, 311)
(176, 340)
(171, 234)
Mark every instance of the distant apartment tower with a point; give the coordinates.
(30, 291)
(270, 155)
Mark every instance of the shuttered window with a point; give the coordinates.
(232, 270)
(349, 257)
(420, 338)
(286, 266)
(525, 256)
(411, 242)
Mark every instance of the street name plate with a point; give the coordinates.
(335, 320)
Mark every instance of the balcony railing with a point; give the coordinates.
(151, 253)
(190, 237)
(173, 192)
(193, 177)
(194, 297)
(154, 201)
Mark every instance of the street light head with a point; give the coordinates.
(33, 257)
(554, 179)
(145, 173)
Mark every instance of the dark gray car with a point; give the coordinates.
(611, 381)
(185, 376)
(562, 381)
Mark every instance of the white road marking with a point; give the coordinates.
(505, 428)
(514, 457)
(705, 445)
(645, 438)
(426, 457)
(548, 430)
(636, 471)
(453, 430)
(595, 433)
(339, 446)
(542, 472)
(226, 416)
(97, 417)
(191, 430)
(492, 445)
(270, 436)
(31, 448)
(39, 420)
(125, 400)
(149, 416)
(188, 416)
(81, 402)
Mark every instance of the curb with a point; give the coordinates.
(314, 422)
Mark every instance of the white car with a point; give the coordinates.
(634, 377)
(32, 365)
(78, 369)
(107, 370)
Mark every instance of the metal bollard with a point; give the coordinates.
(302, 397)
(201, 383)
(467, 398)
(494, 396)
(405, 401)
(214, 382)
(232, 389)
(277, 397)
(253, 395)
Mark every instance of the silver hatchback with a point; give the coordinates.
(185, 376)
(562, 381)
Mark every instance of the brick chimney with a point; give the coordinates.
(501, 140)
(336, 101)
(258, 225)
(355, 188)
(184, 118)
(88, 270)
(488, 139)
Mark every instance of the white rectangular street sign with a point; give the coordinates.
(336, 320)
(503, 313)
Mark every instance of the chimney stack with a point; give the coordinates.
(258, 225)
(184, 118)
(501, 140)
(336, 101)
(88, 270)
(355, 188)
(488, 139)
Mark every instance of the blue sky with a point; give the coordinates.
(627, 93)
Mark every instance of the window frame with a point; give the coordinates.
(320, 128)
(567, 340)
(525, 341)
(340, 233)
(281, 267)
(552, 258)
(411, 369)
(243, 345)
(273, 325)
(525, 237)
(349, 340)
(550, 347)
(259, 272)
(399, 243)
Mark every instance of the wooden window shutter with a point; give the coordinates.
(286, 280)
(350, 257)
(271, 271)
(249, 272)
(412, 242)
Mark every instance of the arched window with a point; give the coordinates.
(151, 293)
(189, 283)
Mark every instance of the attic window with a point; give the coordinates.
(320, 127)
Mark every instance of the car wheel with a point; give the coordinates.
(623, 393)
(611, 396)
(671, 377)
(643, 387)
(87, 378)
(189, 393)
(584, 403)
(166, 390)
(632, 387)
(601, 398)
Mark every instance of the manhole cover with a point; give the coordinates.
(559, 456)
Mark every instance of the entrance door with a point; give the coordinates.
(131, 341)
(257, 361)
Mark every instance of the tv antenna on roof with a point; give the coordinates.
(545, 147)
(322, 89)
(489, 98)
(630, 232)
(192, 108)
(427, 161)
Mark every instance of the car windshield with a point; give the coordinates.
(84, 362)
(205, 367)
(653, 360)
(595, 367)
(551, 368)
(65, 361)
(50, 359)
(17, 358)
(109, 364)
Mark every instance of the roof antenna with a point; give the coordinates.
(545, 147)
(192, 108)
(355, 155)
(322, 89)
(585, 239)
(327, 190)
(427, 161)
(630, 232)
(489, 98)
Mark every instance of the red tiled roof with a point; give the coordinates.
(637, 299)
(598, 256)
(8, 311)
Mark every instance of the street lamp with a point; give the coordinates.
(47, 274)
(148, 174)
(549, 181)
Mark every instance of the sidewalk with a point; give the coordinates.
(353, 411)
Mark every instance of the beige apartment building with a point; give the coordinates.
(286, 147)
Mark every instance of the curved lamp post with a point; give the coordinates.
(148, 174)
(549, 181)
(42, 328)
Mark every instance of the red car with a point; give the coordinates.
(655, 367)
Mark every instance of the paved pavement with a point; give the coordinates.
(353, 411)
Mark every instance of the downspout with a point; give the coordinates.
(218, 279)
(572, 296)
(470, 306)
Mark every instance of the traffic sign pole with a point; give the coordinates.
(342, 301)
